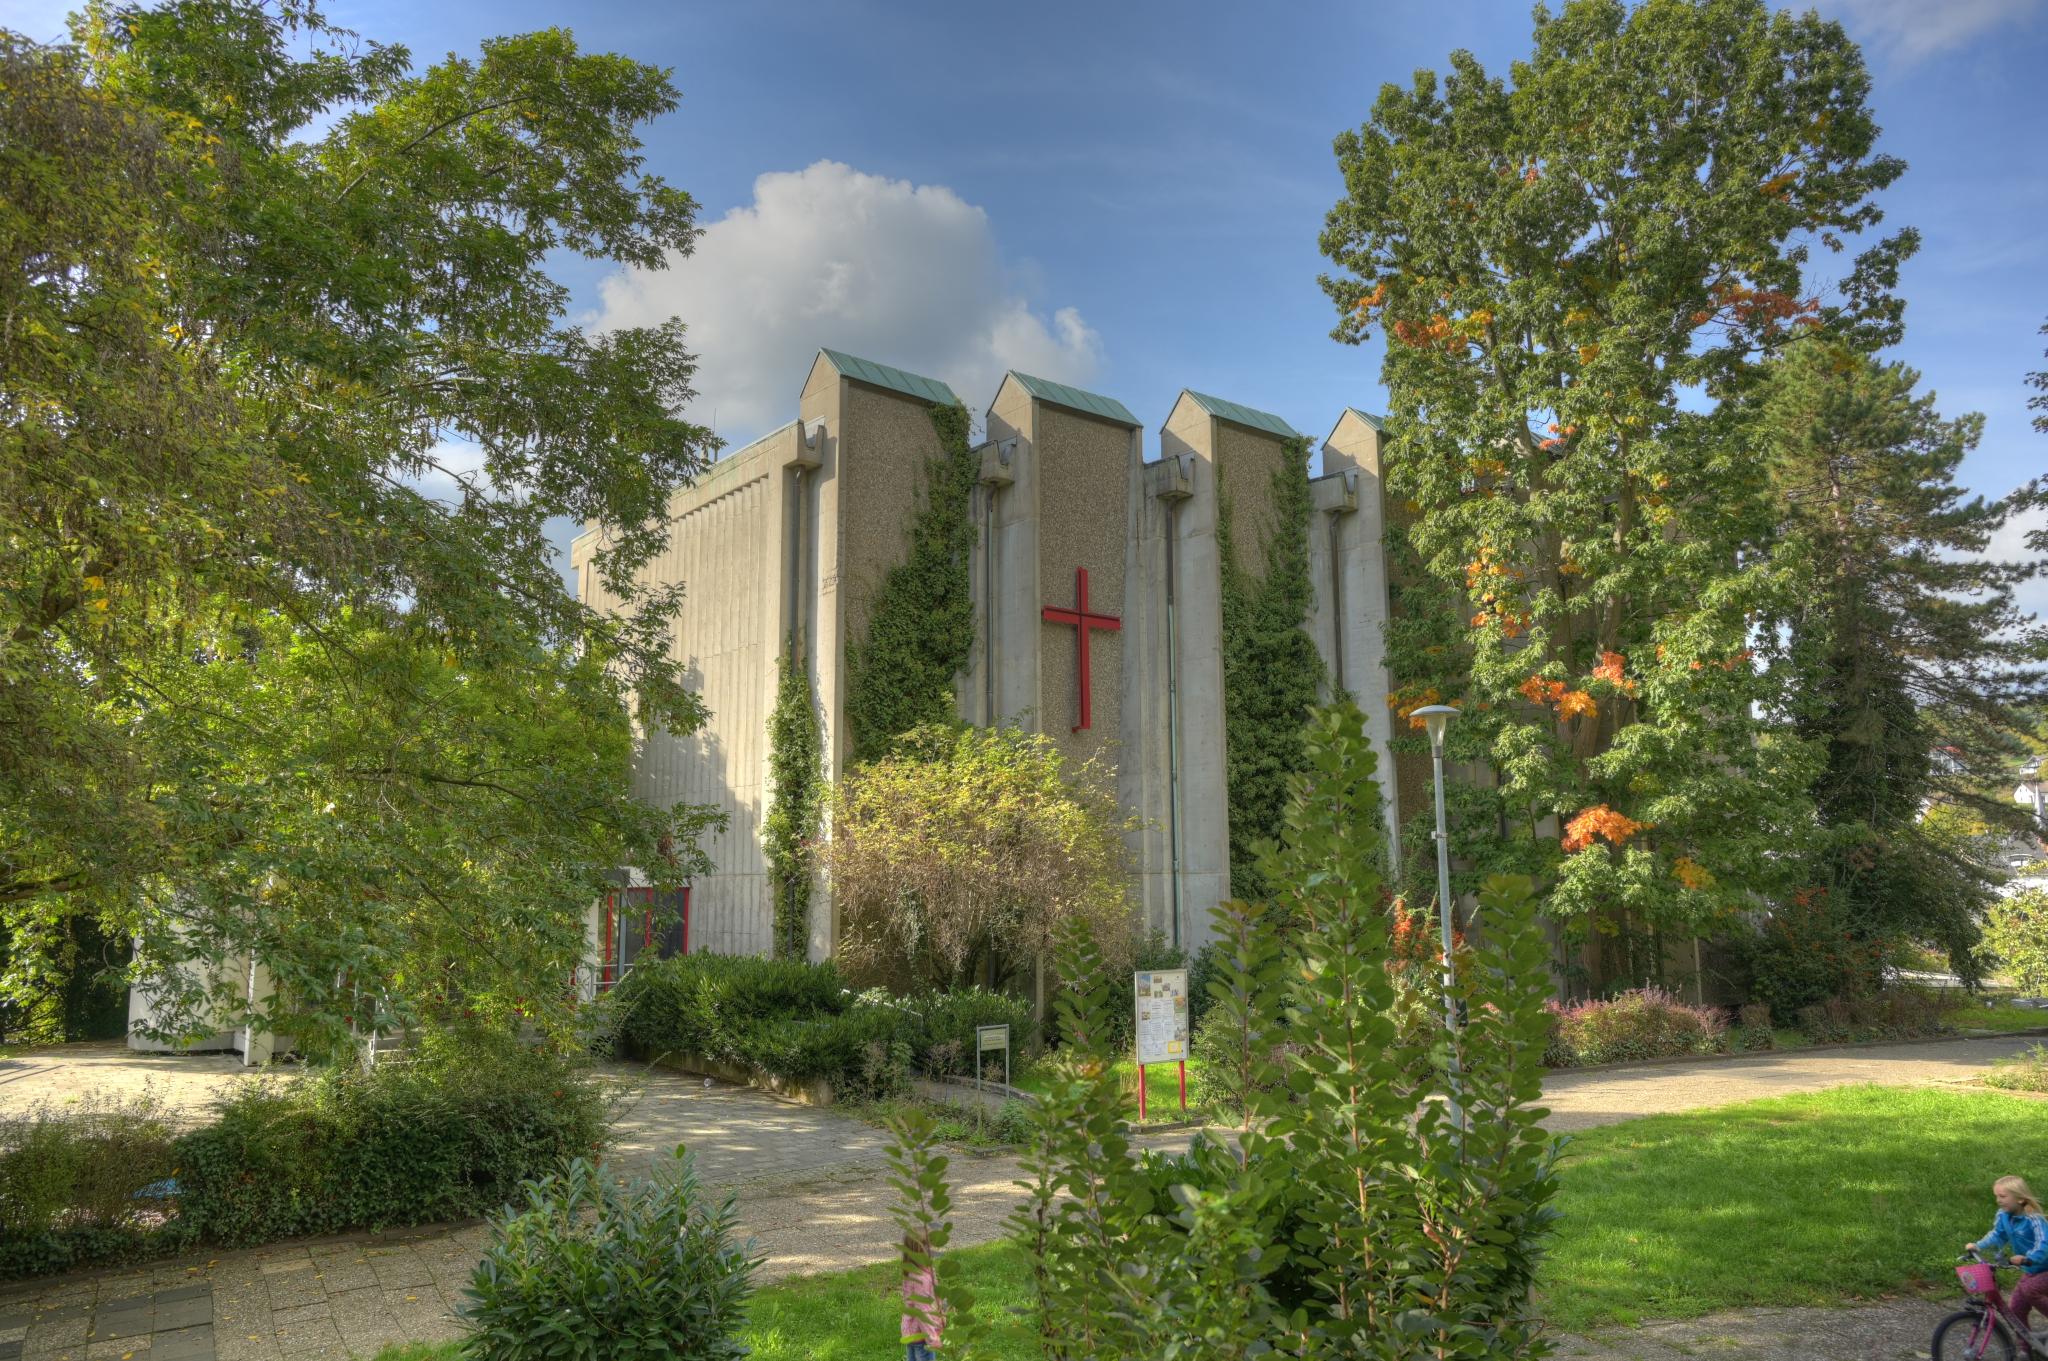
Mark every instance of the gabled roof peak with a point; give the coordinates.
(890, 377)
(1076, 399)
(1244, 415)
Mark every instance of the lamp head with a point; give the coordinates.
(1434, 717)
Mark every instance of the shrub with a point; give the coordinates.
(1897, 1013)
(1753, 1029)
(450, 1135)
(2016, 938)
(592, 1269)
(797, 1022)
(710, 1005)
(71, 1179)
(1804, 953)
(2027, 1072)
(946, 1024)
(1645, 1024)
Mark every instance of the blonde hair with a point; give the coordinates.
(2018, 1186)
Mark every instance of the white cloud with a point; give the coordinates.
(2009, 545)
(905, 274)
(1912, 30)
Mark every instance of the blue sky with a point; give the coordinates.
(1127, 196)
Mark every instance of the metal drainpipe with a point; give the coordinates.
(796, 563)
(1336, 606)
(988, 574)
(1173, 712)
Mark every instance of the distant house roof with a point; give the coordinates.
(1367, 417)
(1093, 403)
(1245, 415)
(895, 379)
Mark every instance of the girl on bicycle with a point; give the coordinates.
(2023, 1228)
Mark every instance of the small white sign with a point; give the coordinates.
(1162, 1005)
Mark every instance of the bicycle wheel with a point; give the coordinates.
(1954, 1337)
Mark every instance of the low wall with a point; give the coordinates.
(815, 1092)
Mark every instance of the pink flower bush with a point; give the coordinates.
(1649, 1023)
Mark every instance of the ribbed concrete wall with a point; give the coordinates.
(724, 642)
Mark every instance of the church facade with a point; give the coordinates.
(1097, 582)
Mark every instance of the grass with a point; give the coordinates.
(1803, 1200)
(1984, 1016)
(1162, 1089)
(1791, 1201)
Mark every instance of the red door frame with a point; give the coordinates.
(607, 972)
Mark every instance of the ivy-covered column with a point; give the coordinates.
(796, 789)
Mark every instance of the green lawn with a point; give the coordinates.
(1795, 1200)
(1992, 1017)
(1162, 1088)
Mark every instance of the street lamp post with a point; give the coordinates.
(1436, 717)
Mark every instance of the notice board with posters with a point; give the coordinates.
(1162, 1006)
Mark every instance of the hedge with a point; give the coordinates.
(450, 1135)
(797, 1022)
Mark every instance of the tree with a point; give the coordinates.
(1905, 659)
(957, 857)
(1578, 272)
(233, 351)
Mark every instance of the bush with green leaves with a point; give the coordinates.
(74, 1183)
(2016, 939)
(1896, 1013)
(946, 1022)
(797, 1022)
(591, 1268)
(1352, 1213)
(451, 1134)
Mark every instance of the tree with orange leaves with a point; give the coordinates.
(1640, 202)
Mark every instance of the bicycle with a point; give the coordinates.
(1986, 1331)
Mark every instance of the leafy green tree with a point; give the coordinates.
(1904, 658)
(235, 352)
(1577, 269)
(957, 857)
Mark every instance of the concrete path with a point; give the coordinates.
(1604, 1096)
(186, 1085)
(813, 1193)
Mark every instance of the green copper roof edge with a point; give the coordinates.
(889, 376)
(1244, 415)
(1376, 422)
(1078, 399)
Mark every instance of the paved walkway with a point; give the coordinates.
(813, 1192)
(1603, 1096)
(185, 1084)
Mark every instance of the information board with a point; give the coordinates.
(1162, 1003)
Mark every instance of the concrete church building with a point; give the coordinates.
(1098, 616)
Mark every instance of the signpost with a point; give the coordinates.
(1161, 999)
(988, 1038)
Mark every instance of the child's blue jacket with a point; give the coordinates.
(2024, 1234)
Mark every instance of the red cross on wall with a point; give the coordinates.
(1082, 621)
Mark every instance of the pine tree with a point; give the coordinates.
(1906, 662)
